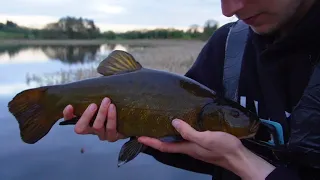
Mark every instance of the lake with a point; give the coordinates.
(57, 156)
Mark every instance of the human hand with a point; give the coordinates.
(217, 148)
(107, 111)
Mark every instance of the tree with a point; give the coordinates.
(210, 26)
(75, 28)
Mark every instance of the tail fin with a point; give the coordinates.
(29, 110)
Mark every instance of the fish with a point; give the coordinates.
(147, 100)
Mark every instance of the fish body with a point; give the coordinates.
(147, 100)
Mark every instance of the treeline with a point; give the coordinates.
(65, 28)
(81, 28)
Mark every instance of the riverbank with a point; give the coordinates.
(170, 55)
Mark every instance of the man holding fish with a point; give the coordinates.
(277, 80)
(284, 45)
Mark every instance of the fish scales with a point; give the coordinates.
(147, 100)
(139, 98)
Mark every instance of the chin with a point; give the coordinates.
(264, 29)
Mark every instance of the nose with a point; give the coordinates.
(230, 7)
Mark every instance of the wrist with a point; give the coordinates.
(248, 165)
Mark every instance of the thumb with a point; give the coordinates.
(186, 131)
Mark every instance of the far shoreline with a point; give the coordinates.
(7, 42)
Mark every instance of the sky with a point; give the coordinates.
(116, 15)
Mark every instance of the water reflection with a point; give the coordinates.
(68, 54)
(71, 54)
(11, 50)
(24, 67)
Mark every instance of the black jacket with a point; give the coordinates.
(274, 75)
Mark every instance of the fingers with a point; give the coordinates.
(106, 112)
(111, 126)
(98, 125)
(82, 126)
(181, 147)
(189, 148)
(203, 139)
(68, 112)
(186, 131)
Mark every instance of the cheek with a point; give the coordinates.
(266, 23)
(239, 122)
(280, 10)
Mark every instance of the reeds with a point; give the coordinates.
(170, 55)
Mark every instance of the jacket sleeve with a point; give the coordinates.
(282, 173)
(201, 71)
(304, 142)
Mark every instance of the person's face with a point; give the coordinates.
(264, 16)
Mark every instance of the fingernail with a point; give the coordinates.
(105, 100)
(175, 123)
(92, 107)
(111, 107)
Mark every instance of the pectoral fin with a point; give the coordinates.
(172, 139)
(130, 150)
(71, 121)
(74, 120)
(118, 62)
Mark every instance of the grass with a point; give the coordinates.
(10, 35)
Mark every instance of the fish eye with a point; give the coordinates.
(234, 113)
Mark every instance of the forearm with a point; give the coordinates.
(249, 166)
(182, 161)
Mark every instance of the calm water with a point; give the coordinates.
(57, 156)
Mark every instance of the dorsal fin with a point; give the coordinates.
(118, 62)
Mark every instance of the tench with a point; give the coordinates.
(147, 100)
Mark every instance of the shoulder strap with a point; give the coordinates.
(235, 44)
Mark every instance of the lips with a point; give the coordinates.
(251, 20)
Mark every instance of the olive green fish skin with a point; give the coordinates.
(147, 101)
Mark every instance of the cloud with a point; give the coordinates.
(33, 21)
(110, 14)
(110, 9)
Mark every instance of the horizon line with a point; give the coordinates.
(31, 22)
